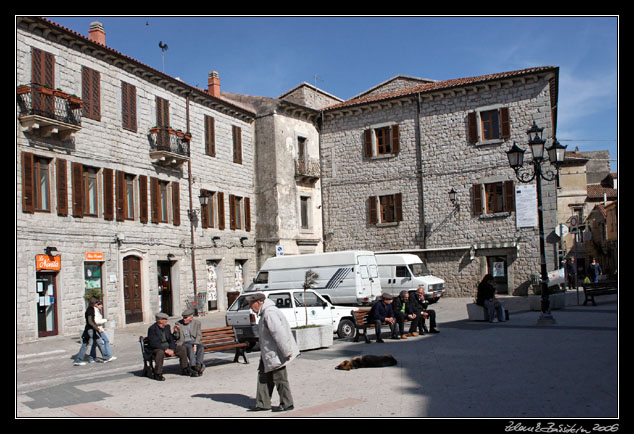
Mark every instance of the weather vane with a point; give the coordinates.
(163, 48)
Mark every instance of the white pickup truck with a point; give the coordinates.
(295, 305)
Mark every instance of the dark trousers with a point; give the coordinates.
(377, 328)
(400, 320)
(432, 320)
(267, 381)
(159, 356)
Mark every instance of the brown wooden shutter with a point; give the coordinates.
(128, 106)
(28, 203)
(210, 136)
(396, 140)
(154, 199)
(205, 211)
(91, 93)
(143, 217)
(398, 207)
(42, 73)
(472, 121)
(247, 214)
(162, 121)
(505, 124)
(120, 190)
(477, 199)
(221, 210)
(232, 212)
(237, 145)
(372, 210)
(77, 175)
(367, 143)
(62, 187)
(176, 204)
(108, 190)
(509, 196)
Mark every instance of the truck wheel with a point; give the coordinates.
(345, 329)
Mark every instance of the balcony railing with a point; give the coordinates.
(168, 147)
(307, 168)
(48, 111)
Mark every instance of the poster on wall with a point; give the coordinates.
(526, 206)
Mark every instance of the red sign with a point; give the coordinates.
(45, 262)
(94, 256)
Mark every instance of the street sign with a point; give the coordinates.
(279, 251)
(574, 222)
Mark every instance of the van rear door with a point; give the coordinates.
(370, 285)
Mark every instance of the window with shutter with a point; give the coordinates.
(385, 208)
(488, 125)
(210, 136)
(91, 93)
(381, 141)
(176, 207)
(221, 210)
(77, 171)
(108, 194)
(143, 203)
(162, 121)
(128, 106)
(42, 74)
(27, 183)
(62, 187)
(493, 198)
(237, 144)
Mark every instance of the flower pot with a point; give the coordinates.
(46, 90)
(313, 337)
(60, 94)
(23, 89)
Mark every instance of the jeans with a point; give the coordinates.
(491, 310)
(105, 348)
(84, 346)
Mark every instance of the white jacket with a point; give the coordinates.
(276, 339)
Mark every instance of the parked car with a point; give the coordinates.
(295, 304)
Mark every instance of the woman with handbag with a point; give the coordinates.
(486, 298)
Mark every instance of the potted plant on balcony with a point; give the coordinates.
(74, 100)
(154, 130)
(45, 89)
(23, 88)
(60, 93)
(187, 136)
(180, 134)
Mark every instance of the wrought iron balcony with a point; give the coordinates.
(168, 147)
(307, 169)
(48, 111)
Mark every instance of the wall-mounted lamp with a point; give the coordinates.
(204, 201)
(50, 250)
(242, 240)
(452, 196)
(214, 239)
(170, 257)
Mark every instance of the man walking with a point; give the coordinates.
(277, 349)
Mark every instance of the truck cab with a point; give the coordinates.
(401, 271)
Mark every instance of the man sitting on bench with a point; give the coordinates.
(162, 344)
(381, 312)
(187, 332)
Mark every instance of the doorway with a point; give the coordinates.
(497, 266)
(46, 304)
(164, 269)
(132, 289)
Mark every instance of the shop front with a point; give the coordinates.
(47, 269)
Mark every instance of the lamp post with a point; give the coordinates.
(556, 154)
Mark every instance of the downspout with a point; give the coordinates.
(320, 126)
(191, 207)
(419, 173)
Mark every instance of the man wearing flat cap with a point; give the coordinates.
(163, 344)
(187, 332)
(381, 312)
(277, 349)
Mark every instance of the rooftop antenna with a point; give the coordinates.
(317, 78)
(163, 48)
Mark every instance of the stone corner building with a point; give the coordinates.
(391, 156)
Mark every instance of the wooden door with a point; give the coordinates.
(132, 289)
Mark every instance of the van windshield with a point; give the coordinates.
(419, 270)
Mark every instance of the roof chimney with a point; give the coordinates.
(213, 84)
(97, 33)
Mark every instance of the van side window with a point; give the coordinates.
(263, 277)
(309, 299)
(402, 271)
(282, 301)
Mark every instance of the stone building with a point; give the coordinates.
(108, 194)
(391, 156)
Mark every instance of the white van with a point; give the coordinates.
(346, 277)
(295, 305)
(399, 271)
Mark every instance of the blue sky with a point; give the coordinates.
(266, 56)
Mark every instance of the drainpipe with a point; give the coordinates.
(191, 207)
(419, 173)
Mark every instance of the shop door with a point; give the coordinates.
(165, 287)
(497, 266)
(46, 304)
(132, 289)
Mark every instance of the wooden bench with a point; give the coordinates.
(360, 321)
(605, 287)
(217, 339)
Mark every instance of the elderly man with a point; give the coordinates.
(277, 349)
(188, 333)
(162, 344)
(381, 312)
(419, 304)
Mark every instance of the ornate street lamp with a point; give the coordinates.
(556, 153)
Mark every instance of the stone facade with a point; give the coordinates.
(103, 240)
(432, 120)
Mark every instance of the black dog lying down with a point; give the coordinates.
(367, 361)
